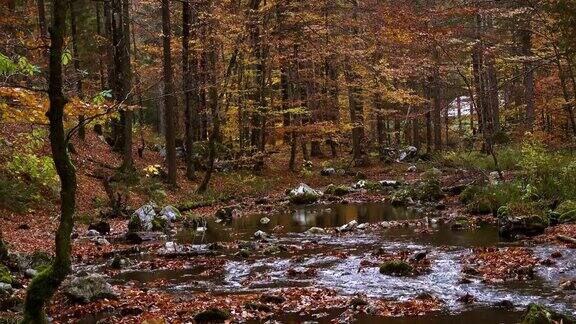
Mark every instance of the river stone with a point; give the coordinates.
(407, 153)
(89, 288)
(303, 194)
(260, 234)
(316, 230)
(171, 213)
(328, 172)
(348, 227)
(142, 218)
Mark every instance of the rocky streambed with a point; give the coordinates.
(339, 251)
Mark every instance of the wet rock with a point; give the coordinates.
(90, 288)
(212, 315)
(227, 213)
(358, 301)
(260, 235)
(244, 253)
(316, 230)
(327, 172)
(390, 183)
(568, 285)
(93, 233)
(30, 273)
(539, 314)
(362, 226)
(402, 197)
(470, 271)
(217, 246)
(101, 227)
(100, 241)
(407, 154)
(264, 220)
(513, 226)
(171, 213)
(467, 299)
(258, 307)
(348, 227)
(303, 194)
(118, 262)
(505, 303)
(556, 254)
(341, 190)
(273, 299)
(418, 256)
(5, 288)
(396, 268)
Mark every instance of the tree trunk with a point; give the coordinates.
(79, 92)
(45, 284)
(436, 100)
(42, 18)
(528, 71)
(169, 99)
(187, 89)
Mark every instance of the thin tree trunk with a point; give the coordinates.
(528, 71)
(74, 34)
(45, 284)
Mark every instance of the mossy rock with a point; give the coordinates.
(272, 249)
(244, 253)
(303, 199)
(213, 315)
(565, 207)
(5, 275)
(511, 226)
(568, 217)
(396, 268)
(539, 314)
(401, 197)
(40, 260)
(159, 224)
(134, 225)
(338, 190)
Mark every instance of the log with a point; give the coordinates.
(566, 239)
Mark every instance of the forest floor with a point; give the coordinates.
(291, 273)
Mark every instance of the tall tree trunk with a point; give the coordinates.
(214, 109)
(169, 99)
(436, 101)
(187, 89)
(528, 71)
(45, 284)
(42, 18)
(74, 34)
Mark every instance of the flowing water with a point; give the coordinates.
(322, 252)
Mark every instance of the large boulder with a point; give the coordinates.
(511, 226)
(89, 288)
(303, 194)
(142, 218)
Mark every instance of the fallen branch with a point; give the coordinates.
(566, 239)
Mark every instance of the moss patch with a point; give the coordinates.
(396, 268)
(5, 275)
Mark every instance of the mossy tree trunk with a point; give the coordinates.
(47, 282)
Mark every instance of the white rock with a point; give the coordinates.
(362, 226)
(264, 220)
(201, 229)
(170, 247)
(170, 212)
(412, 168)
(93, 233)
(316, 230)
(260, 234)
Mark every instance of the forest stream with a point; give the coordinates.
(341, 261)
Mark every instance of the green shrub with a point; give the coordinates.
(15, 195)
(5, 275)
(566, 206)
(430, 188)
(39, 171)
